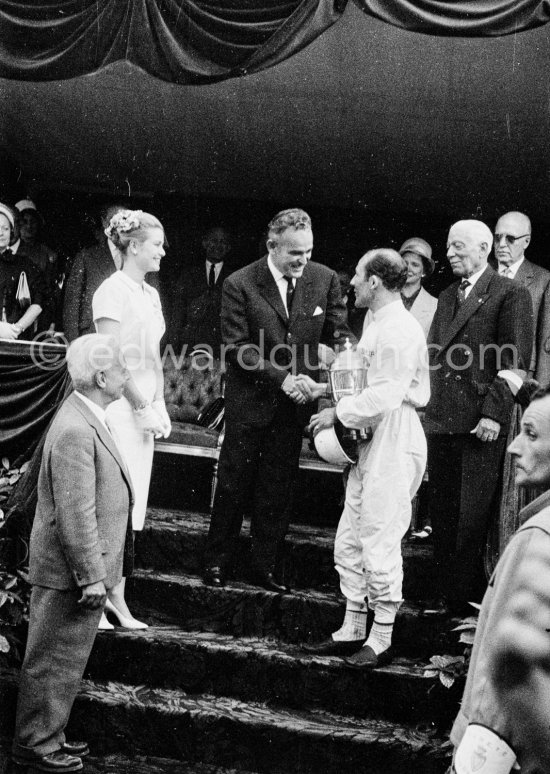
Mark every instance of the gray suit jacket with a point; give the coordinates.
(423, 310)
(537, 281)
(85, 498)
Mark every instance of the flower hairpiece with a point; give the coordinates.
(123, 221)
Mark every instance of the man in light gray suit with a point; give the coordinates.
(80, 539)
(512, 237)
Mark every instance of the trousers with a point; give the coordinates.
(377, 509)
(61, 636)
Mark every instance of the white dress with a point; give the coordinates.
(137, 308)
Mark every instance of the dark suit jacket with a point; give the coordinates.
(255, 330)
(537, 281)
(491, 331)
(83, 516)
(90, 268)
(196, 308)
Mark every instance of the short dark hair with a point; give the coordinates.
(293, 218)
(389, 266)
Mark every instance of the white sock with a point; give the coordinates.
(382, 628)
(380, 637)
(355, 623)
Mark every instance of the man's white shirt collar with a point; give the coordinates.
(512, 269)
(472, 280)
(278, 276)
(217, 268)
(97, 410)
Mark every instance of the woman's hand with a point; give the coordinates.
(148, 420)
(160, 407)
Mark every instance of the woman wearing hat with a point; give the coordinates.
(417, 254)
(21, 284)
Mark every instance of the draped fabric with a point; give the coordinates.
(202, 41)
(33, 381)
(460, 17)
(182, 41)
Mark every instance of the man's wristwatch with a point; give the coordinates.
(141, 406)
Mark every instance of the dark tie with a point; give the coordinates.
(212, 275)
(289, 293)
(461, 293)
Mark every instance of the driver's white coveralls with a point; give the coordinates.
(390, 467)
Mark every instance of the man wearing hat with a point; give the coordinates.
(30, 222)
(22, 285)
(417, 254)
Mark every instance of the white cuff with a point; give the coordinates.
(481, 751)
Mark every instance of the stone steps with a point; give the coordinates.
(173, 541)
(260, 670)
(130, 721)
(242, 610)
(219, 681)
(118, 764)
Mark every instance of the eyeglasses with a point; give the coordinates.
(510, 239)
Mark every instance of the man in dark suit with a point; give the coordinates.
(197, 297)
(482, 325)
(80, 539)
(275, 312)
(91, 266)
(512, 237)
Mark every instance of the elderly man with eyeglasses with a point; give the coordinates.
(512, 237)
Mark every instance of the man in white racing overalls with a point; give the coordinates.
(390, 466)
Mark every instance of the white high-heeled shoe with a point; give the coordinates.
(104, 625)
(126, 623)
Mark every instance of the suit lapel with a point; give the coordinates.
(269, 290)
(104, 435)
(525, 273)
(475, 301)
(301, 298)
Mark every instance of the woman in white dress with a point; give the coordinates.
(126, 307)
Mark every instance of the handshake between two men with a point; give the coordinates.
(303, 389)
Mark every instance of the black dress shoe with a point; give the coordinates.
(330, 647)
(214, 576)
(268, 582)
(366, 658)
(80, 749)
(56, 761)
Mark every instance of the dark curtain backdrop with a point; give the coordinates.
(460, 17)
(191, 41)
(33, 381)
(202, 41)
